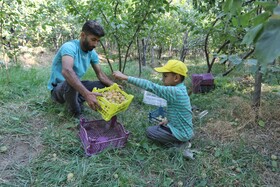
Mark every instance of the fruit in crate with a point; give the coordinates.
(114, 96)
(112, 101)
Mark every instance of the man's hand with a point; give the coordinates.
(92, 101)
(120, 75)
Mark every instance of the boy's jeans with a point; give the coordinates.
(162, 134)
(65, 93)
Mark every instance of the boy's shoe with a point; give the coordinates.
(188, 153)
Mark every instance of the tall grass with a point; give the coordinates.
(224, 157)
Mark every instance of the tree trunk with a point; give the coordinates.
(152, 56)
(184, 47)
(106, 55)
(138, 51)
(144, 52)
(159, 52)
(257, 93)
(170, 51)
(139, 56)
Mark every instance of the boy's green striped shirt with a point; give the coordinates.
(179, 113)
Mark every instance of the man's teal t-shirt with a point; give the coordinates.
(82, 60)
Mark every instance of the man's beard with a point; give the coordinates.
(86, 46)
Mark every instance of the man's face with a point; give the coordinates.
(89, 42)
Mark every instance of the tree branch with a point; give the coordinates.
(115, 36)
(135, 34)
(214, 58)
(206, 44)
(106, 55)
(243, 58)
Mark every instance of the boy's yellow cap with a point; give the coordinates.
(175, 66)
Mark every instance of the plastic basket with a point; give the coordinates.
(98, 135)
(109, 109)
(156, 116)
(152, 99)
(202, 83)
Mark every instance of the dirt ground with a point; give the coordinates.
(21, 149)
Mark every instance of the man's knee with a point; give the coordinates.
(68, 88)
(57, 96)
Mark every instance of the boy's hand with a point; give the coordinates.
(164, 122)
(120, 86)
(120, 75)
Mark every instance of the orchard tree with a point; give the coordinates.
(265, 37)
(166, 34)
(12, 23)
(34, 23)
(235, 23)
(51, 25)
(262, 20)
(123, 20)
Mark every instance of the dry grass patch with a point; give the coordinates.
(264, 139)
(220, 131)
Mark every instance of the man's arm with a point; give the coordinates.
(73, 80)
(101, 75)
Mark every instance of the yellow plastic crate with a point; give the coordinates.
(110, 109)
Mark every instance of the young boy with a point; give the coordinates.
(178, 127)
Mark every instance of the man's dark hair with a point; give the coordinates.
(93, 27)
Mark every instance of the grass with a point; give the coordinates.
(43, 147)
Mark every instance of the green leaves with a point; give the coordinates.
(261, 123)
(268, 45)
(232, 6)
(261, 18)
(227, 5)
(223, 58)
(234, 59)
(244, 19)
(251, 35)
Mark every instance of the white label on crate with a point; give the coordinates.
(152, 99)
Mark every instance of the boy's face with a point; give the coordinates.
(169, 79)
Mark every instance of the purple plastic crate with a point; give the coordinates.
(98, 135)
(201, 82)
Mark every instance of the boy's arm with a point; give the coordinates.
(165, 92)
(120, 75)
